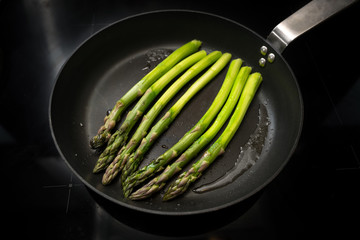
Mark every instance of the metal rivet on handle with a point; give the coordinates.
(271, 57)
(262, 62)
(263, 50)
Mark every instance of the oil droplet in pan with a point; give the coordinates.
(248, 156)
(155, 56)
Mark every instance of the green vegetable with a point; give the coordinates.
(124, 153)
(159, 182)
(181, 184)
(159, 163)
(136, 158)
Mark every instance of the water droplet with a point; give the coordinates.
(155, 56)
(146, 67)
(81, 125)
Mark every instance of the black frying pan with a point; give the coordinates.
(105, 66)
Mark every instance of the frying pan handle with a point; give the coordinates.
(303, 20)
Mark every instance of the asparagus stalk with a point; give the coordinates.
(138, 90)
(159, 182)
(136, 158)
(120, 136)
(159, 163)
(124, 153)
(181, 184)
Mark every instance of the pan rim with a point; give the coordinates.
(189, 212)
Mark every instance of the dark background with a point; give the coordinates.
(316, 194)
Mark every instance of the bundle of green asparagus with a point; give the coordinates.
(123, 155)
(159, 182)
(159, 163)
(135, 159)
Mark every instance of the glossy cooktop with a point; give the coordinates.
(317, 192)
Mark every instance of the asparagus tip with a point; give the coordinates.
(97, 168)
(99, 140)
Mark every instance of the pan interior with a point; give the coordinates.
(113, 60)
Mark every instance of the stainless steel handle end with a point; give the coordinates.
(303, 20)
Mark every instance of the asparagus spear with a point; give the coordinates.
(137, 90)
(135, 159)
(181, 184)
(120, 136)
(159, 163)
(159, 182)
(124, 153)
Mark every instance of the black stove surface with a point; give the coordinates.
(316, 194)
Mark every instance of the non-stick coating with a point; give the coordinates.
(103, 68)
